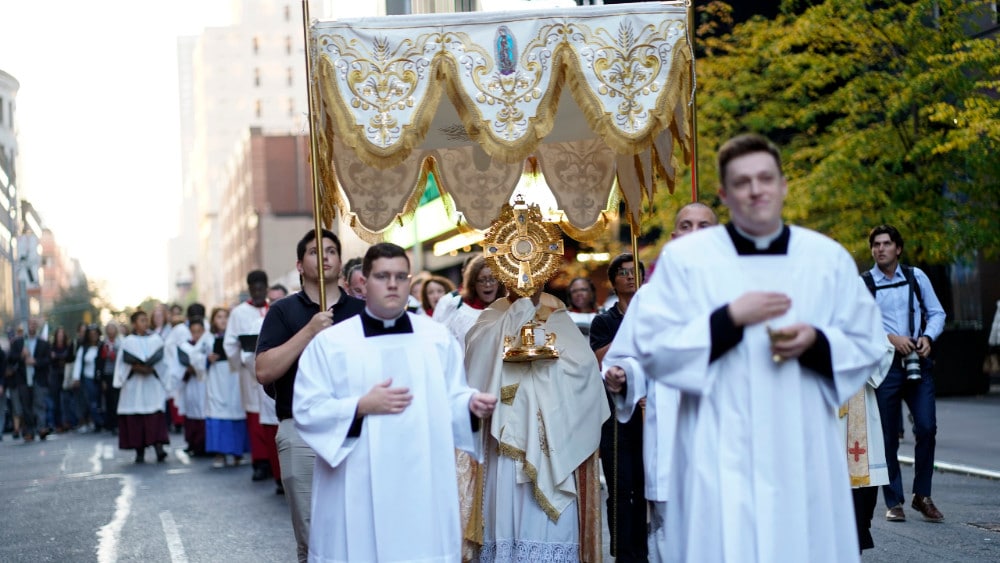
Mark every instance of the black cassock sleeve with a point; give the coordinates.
(724, 333)
(817, 357)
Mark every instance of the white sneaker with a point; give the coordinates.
(81, 429)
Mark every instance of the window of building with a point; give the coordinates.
(288, 45)
(256, 45)
(465, 5)
(256, 77)
(288, 13)
(1, 111)
(291, 75)
(258, 109)
(291, 107)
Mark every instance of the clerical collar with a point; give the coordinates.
(376, 326)
(747, 244)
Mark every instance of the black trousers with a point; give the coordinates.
(865, 499)
(626, 487)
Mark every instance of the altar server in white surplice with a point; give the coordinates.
(382, 399)
(240, 344)
(658, 401)
(140, 373)
(765, 331)
(193, 355)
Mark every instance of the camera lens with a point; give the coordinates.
(911, 365)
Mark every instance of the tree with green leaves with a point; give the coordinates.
(886, 112)
(76, 304)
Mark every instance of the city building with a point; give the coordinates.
(59, 271)
(8, 194)
(248, 74)
(266, 207)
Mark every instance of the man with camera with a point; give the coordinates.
(913, 319)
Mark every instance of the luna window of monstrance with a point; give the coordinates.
(521, 249)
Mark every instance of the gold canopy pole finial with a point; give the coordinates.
(314, 160)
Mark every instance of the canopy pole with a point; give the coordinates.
(634, 230)
(314, 161)
(694, 106)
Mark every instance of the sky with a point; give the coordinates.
(98, 131)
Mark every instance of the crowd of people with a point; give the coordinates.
(741, 405)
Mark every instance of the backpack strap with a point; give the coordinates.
(869, 281)
(914, 291)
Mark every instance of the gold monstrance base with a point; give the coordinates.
(529, 351)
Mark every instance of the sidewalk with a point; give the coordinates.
(967, 435)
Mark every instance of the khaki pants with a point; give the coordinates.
(297, 460)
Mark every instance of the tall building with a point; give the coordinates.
(59, 271)
(266, 208)
(248, 74)
(182, 250)
(8, 194)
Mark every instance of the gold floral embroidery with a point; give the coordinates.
(543, 440)
(507, 394)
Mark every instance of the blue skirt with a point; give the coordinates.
(226, 436)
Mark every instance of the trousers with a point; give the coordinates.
(296, 459)
(919, 397)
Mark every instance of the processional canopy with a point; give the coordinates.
(583, 97)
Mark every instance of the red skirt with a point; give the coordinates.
(194, 434)
(137, 431)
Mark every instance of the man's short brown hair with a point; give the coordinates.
(742, 145)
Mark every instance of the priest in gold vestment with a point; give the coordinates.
(541, 494)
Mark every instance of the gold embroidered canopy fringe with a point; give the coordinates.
(380, 128)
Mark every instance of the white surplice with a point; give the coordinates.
(758, 472)
(244, 319)
(174, 370)
(659, 425)
(194, 390)
(141, 394)
(222, 386)
(459, 317)
(389, 494)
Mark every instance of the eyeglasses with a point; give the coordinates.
(625, 273)
(487, 281)
(384, 277)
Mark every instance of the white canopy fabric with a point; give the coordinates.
(581, 96)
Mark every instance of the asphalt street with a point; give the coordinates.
(77, 497)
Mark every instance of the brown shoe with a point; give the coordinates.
(895, 514)
(925, 506)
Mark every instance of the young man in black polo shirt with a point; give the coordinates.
(290, 324)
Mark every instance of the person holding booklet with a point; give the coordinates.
(240, 344)
(140, 374)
